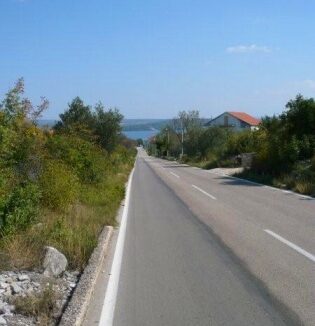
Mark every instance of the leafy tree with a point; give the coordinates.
(99, 126)
(299, 121)
(299, 117)
(107, 127)
(20, 139)
(21, 145)
(188, 125)
(213, 140)
(17, 109)
(139, 142)
(77, 119)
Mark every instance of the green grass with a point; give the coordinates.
(73, 231)
(293, 181)
(259, 178)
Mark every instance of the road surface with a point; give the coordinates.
(205, 249)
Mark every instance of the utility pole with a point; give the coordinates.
(168, 142)
(182, 138)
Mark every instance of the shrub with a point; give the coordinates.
(306, 187)
(286, 181)
(184, 158)
(41, 305)
(20, 209)
(59, 186)
(227, 163)
(85, 159)
(210, 165)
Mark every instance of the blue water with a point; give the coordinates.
(143, 134)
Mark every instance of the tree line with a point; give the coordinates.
(69, 180)
(283, 146)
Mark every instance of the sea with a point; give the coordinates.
(140, 134)
(143, 134)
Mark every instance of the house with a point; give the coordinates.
(235, 120)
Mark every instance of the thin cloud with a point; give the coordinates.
(252, 48)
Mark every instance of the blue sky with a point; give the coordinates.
(153, 58)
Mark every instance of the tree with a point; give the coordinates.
(21, 156)
(20, 139)
(299, 117)
(16, 108)
(139, 142)
(188, 126)
(299, 121)
(96, 125)
(107, 126)
(213, 141)
(78, 119)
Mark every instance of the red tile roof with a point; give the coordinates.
(245, 117)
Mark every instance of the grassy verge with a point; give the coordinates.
(301, 179)
(265, 179)
(73, 231)
(300, 182)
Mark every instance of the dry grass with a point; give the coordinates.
(22, 251)
(305, 187)
(42, 306)
(74, 232)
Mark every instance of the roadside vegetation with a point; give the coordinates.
(283, 147)
(41, 305)
(59, 186)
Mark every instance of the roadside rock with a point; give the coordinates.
(2, 321)
(16, 289)
(23, 278)
(54, 262)
(3, 285)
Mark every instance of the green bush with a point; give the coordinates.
(59, 186)
(227, 163)
(210, 165)
(85, 159)
(184, 158)
(20, 209)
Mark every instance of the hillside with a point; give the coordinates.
(144, 124)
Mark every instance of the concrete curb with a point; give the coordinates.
(77, 307)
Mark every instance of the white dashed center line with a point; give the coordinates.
(292, 245)
(204, 192)
(174, 174)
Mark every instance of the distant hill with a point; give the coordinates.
(144, 124)
(46, 122)
(127, 124)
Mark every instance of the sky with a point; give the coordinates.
(153, 58)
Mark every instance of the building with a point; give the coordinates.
(235, 120)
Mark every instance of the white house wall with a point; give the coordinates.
(232, 122)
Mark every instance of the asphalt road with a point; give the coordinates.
(205, 249)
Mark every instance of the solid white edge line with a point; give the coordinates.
(204, 192)
(107, 314)
(174, 174)
(291, 245)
